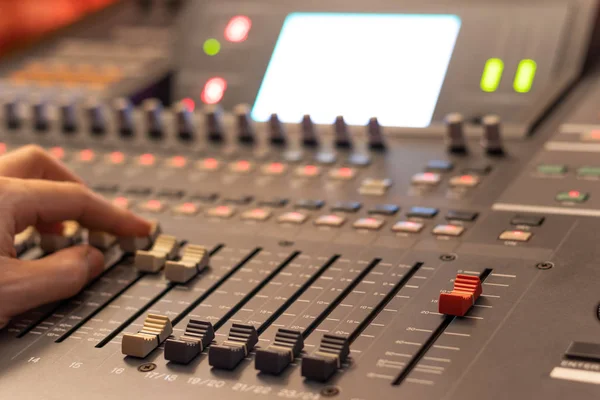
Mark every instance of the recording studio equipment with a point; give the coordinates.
(351, 200)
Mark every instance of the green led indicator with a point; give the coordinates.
(212, 47)
(492, 74)
(525, 76)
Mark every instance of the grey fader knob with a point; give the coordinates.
(455, 135)
(277, 134)
(186, 130)
(309, 135)
(375, 133)
(492, 136)
(245, 129)
(153, 111)
(213, 119)
(95, 113)
(68, 116)
(13, 117)
(41, 117)
(342, 136)
(124, 118)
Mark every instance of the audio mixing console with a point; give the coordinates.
(364, 258)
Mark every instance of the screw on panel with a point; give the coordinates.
(286, 243)
(544, 265)
(448, 257)
(330, 391)
(147, 367)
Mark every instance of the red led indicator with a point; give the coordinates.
(58, 152)
(238, 28)
(116, 157)
(574, 194)
(276, 167)
(243, 165)
(86, 155)
(345, 171)
(595, 134)
(178, 162)
(188, 208)
(311, 170)
(154, 205)
(466, 178)
(189, 104)
(223, 209)
(147, 159)
(2, 148)
(214, 90)
(210, 163)
(121, 202)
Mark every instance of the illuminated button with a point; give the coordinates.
(293, 217)
(308, 171)
(588, 172)
(237, 29)
(115, 158)
(122, 202)
(448, 230)
(349, 207)
(241, 167)
(221, 212)
(57, 152)
(189, 209)
(466, 181)
(152, 206)
(591, 136)
(426, 179)
(422, 212)
(209, 164)
(2, 148)
(214, 90)
(310, 204)
(274, 168)
(439, 166)
(467, 216)
(257, 214)
(177, 162)
(147, 160)
(408, 227)
(371, 224)
(375, 187)
(515, 236)
(573, 196)
(87, 156)
(384, 209)
(330, 220)
(552, 169)
(342, 174)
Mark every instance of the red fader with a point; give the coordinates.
(467, 289)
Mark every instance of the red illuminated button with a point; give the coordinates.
(147, 160)
(58, 152)
(238, 28)
(274, 168)
(188, 209)
(214, 90)
(426, 179)
(115, 158)
(257, 214)
(591, 136)
(343, 174)
(2, 148)
(241, 166)
(515, 236)
(572, 196)
(408, 227)
(87, 156)
(467, 289)
(308, 171)
(209, 164)
(466, 181)
(152, 206)
(371, 224)
(448, 230)
(177, 162)
(122, 202)
(190, 104)
(293, 217)
(330, 220)
(221, 212)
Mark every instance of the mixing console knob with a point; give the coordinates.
(71, 234)
(156, 329)
(41, 119)
(467, 289)
(276, 131)
(198, 335)
(455, 136)
(375, 133)
(25, 240)
(131, 244)
(124, 118)
(245, 129)
(154, 121)
(12, 114)
(165, 248)
(101, 240)
(213, 117)
(68, 116)
(492, 136)
(194, 259)
(96, 115)
(240, 342)
(274, 359)
(321, 365)
(186, 131)
(309, 134)
(342, 136)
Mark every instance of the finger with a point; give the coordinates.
(37, 202)
(33, 162)
(28, 284)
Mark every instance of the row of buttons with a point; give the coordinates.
(561, 170)
(432, 176)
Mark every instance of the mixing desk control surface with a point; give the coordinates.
(307, 259)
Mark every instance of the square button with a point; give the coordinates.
(352, 206)
(205, 197)
(293, 217)
(171, 194)
(359, 159)
(152, 206)
(208, 164)
(439, 166)
(342, 174)
(372, 224)
(426, 179)
(515, 236)
(374, 187)
(310, 204)
(480, 170)
(308, 171)
(573, 196)
(551, 169)
(588, 172)
(188, 209)
(274, 203)
(465, 181)
(527, 220)
(177, 162)
(240, 201)
(384, 209)
(274, 169)
(139, 191)
(422, 212)
(467, 216)
(330, 220)
(448, 230)
(408, 227)
(257, 214)
(221, 212)
(241, 166)
(122, 202)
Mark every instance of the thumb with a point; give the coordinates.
(28, 284)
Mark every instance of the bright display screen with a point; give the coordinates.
(389, 66)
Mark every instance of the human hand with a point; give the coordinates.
(37, 190)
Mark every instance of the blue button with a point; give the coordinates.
(423, 212)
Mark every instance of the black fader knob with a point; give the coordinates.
(455, 135)
(375, 134)
(41, 114)
(309, 133)
(95, 113)
(186, 130)
(342, 135)
(153, 111)
(277, 135)
(245, 128)
(492, 136)
(213, 120)
(13, 115)
(124, 118)
(68, 116)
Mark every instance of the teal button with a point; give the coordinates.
(573, 196)
(552, 169)
(589, 172)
